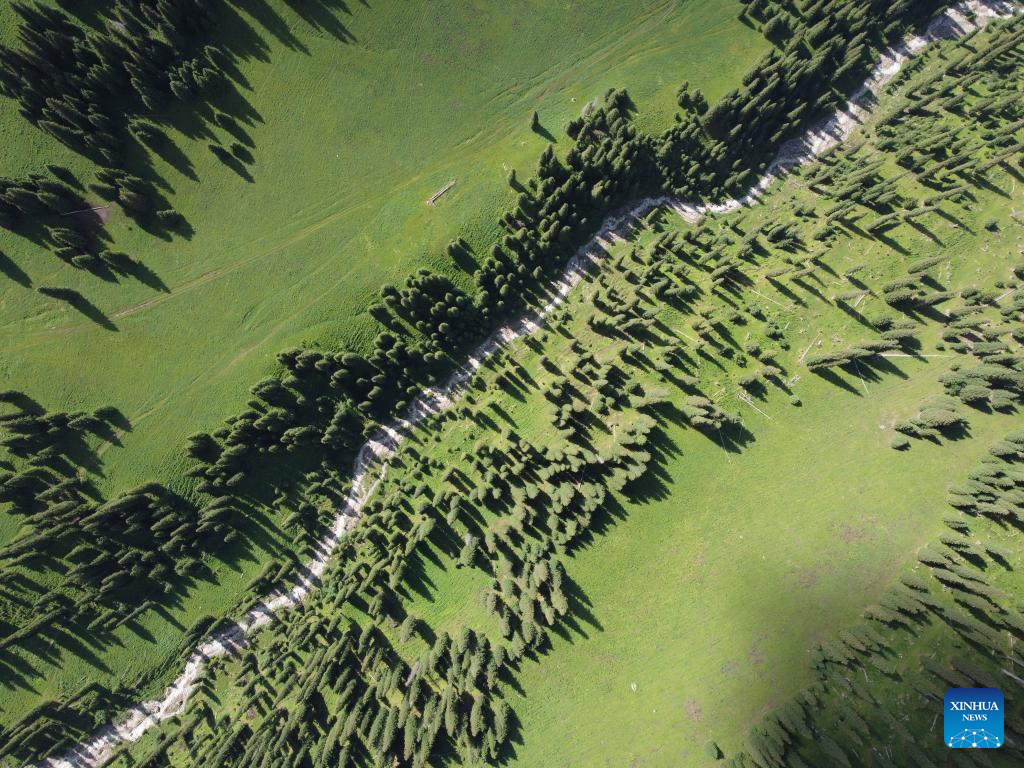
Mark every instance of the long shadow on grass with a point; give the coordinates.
(237, 37)
(77, 301)
(321, 17)
(830, 375)
(13, 272)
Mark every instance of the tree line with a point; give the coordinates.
(431, 320)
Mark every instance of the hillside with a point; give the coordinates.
(698, 441)
(353, 118)
(656, 523)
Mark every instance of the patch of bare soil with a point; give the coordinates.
(693, 710)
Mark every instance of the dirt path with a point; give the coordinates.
(372, 460)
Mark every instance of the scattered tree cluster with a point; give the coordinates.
(326, 689)
(98, 89)
(839, 357)
(996, 380)
(110, 559)
(81, 85)
(937, 417)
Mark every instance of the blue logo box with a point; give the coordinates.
(974, 718)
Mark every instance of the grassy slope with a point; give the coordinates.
(709, 599)
(351, 139)
(336, 209)
(937, 641)
(709, 593)
(710, 596)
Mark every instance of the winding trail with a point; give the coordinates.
(373, 456)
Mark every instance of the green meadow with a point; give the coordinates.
(355, 118)
(706, 584)
(698, 591)
(352, 132)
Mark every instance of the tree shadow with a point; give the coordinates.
(77, 301)
(543, 132)
(925, 231)
(13, 271)
(139, 271)
(272, 22)
(231, 162)
(163, 147)
(463, 255)
(320, 17)
(872, 368)
(852, 312)
(782, 288)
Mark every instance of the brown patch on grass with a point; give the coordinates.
(699, 565)
(807, 578)
(755, 656)
(94, 215)
(693, 710)
(851, 534)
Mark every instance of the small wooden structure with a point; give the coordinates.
(436, 196)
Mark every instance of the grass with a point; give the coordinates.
(936, 641)
(350, 139)
(718, 573)
(709, 592)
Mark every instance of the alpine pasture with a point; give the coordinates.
(697, 606)
(651, 451)
(354, 117)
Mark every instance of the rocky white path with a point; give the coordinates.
(371, 461)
